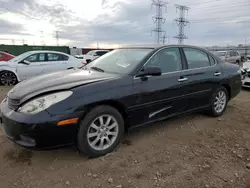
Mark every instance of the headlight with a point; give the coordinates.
(41, 103)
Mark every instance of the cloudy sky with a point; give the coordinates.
(111, 23)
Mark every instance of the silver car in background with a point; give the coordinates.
(229, 56)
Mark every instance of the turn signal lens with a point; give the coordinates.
(68, 121)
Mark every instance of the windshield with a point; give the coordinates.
(220, 54)
(20, 57)
(90, 53)
(121, 61)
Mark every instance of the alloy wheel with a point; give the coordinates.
(102, 132)
(220, 102)
(8, 78)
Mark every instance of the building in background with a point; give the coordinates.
(19, 49)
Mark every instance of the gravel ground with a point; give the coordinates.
(189, 151)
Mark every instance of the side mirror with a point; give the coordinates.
(25, 62)
(150, 71)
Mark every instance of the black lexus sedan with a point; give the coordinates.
(93, 106)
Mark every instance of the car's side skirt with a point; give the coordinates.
(173, 115)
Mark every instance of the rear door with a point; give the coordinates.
(202, 77)
(55, 62)
(231, 57)
(159, 96)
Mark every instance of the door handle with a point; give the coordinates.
(217, 73)
(182, 79)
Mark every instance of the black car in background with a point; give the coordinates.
(128, 87)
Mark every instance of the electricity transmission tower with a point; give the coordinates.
(158, 19)
(181, 22)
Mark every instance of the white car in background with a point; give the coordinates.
(246, 74)
(93, 54)
(33, 63)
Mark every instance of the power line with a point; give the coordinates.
(181, 22)
(158, 19)
(211, 21)
(204, 3)
(231, 5)
(214, 2)
(223, 18)
(220, 11)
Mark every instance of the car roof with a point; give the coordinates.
(155, 47)
(99, 50)
(46, 51)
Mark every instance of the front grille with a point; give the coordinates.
(13, 103)
(247, 83)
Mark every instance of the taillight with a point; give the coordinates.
(84, 63)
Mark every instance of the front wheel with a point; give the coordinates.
(8, 78)
(100, 131)
(219, 102)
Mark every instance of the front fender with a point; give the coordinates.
(8, 68)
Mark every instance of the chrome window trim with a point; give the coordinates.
(180, 70)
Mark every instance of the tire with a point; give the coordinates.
(85, 129)
(212, 111)
(8, 78)
(238, 62)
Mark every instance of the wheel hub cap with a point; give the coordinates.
(220, 102)
(102, 132)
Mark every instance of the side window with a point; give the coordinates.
(32, 58)
(196, 58)
(232, 54)
(169, 60)
(100, 53)
(66, 58)
(53, 57)
(212, 60)
(41, 57)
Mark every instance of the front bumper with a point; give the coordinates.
(39, 130)
(246, 81)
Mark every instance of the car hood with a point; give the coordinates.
(61, 80)
(4, 63)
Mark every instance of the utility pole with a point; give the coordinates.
(164, 38)
(42, 39)
(57, 38)
(158, 19)
(181, 22)
(246, 39)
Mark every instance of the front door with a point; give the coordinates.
(33, 69)
(158, 96)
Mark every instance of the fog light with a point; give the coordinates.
(28, 140)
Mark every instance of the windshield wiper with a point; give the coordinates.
(97, 69)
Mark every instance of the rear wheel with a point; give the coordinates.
(100, 131)
(219, 102)
(8, 78)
